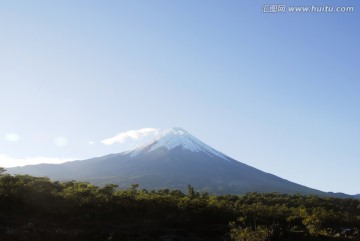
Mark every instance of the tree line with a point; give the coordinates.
(37, 208)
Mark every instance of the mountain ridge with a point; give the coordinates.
(177, 136)
(173, 160)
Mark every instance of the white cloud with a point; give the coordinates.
(12, 137)
(132, 134)
(60, 141)
(6, 161)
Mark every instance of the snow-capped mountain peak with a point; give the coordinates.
(178, 137)
(172, 160)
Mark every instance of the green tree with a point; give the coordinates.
(134, 189)
(108, 190)
(240, 232)
(191, 192)
(2, 171)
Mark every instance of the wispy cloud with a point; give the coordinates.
(6, 161)
(61, 141)
(132, 134)
(12, 137)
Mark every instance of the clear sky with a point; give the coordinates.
(277, 91)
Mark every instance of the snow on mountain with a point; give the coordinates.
(172, 160)
(178, 137)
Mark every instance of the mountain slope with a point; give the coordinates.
(173, 160)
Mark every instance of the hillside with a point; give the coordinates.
(172, 160)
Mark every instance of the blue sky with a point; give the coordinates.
(278, 91)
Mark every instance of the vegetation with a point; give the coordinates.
(36, 208)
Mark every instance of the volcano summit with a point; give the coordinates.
(172, 160)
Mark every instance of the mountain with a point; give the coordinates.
(173, 160)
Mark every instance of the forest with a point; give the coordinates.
(37, 208)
